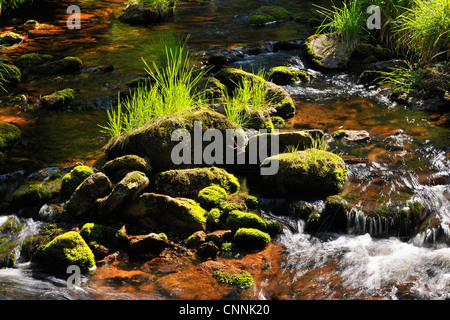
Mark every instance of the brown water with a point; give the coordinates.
(406, 159)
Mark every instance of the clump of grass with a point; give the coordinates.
(249, 95)
(402, 79)
(173, 91)
(349, 22)
(425, 30)
(9, 5)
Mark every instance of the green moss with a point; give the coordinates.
(212, 196)
(162, 235)
(34, 193)
(92, 232)
(251, 238)
(227, 247)
(9, 75)
(339, 134)
(284, 75)
(315, 58)
(74, 178)
(30, 60)
(267, 14)
(59, 99)
(10, 226)
(238, 219)
(251, 202)
(8, 134)
(65, 250)
(312, 171)
(242, 280)
(213, 219)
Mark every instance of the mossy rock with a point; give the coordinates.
(266, 14)
(154, 140)
(58, 99)
(189, 182)
(126, 190)
(117, 168)
(34, 193)
(33, 59)
(312, 172)
(238, 219)
(211, 86)
(284, 75)
(278, 97)
(10, 38)
(66, 250)
(334, 217)
(212, 196)
(84, 198)
(182, 214)
(10, 75)
(48, 67)
(251, 202)
(92, 232)
(327, 51)
(250, 238)
(142, 12)
(9, 133)
(74, 178)
(214, 218)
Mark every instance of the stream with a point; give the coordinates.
(406, 159)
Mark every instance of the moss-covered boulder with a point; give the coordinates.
(327, 51)
(311, 172)
(37, 66)
(238, 219)
(242, 280)
(182, 214)
(10, 38)
(334, 217)
(189, 182)
(212, 87)
(9, 133)
(250, 238)
(9, 241)
(66, 250)
(10, 75)
(143, 12)
(266, 14)
(58, 99)
(285, 75)
(34, 194)
(85, 195)
(154, 140)
(30, 60)
(212, 196)
(118, 168)
(126, 190)
(278, 97)
(74, 178)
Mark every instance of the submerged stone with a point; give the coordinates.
(266, 14)
(138, 12)
(58, 99)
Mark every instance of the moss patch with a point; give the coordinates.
(212, 196)
(8, 134)
(266, 14)
(251, 238)
(74, 178)
(284, 75)
(65, 250)
(242, 280)
(9, 75)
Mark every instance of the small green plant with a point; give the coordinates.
(402, 80)
(349, 21)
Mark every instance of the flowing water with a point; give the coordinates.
(407, 159)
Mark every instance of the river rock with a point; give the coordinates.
(9, 133)
(34, 194)
(117, 168)
(208, 250)
(86, 194)
(219, 236)
(66, 250)
(136, 12)
(10, 38)
(46, 66)
(327, 51)
(279, 97)
(154, 140)
(181, 214)
(58, 99)
(352, 135)
(387, 65)
(147, 246)
(298, 140)
(189, 182)
(284, 75)
(74, 178)
(311, 172)
(267, 14)
(126, 190)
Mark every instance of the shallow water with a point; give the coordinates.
(407, 159)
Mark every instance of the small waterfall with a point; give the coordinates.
(434, 237)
